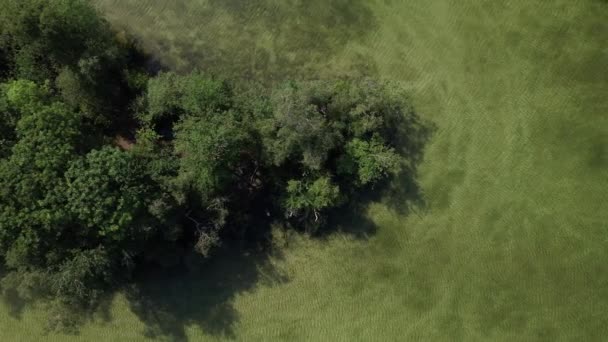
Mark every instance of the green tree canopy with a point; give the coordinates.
(171, 96)
(45, 35)
(31, 180)
(107, 192)
(106, 168)
(343, 134)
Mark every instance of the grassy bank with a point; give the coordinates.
(510, 243)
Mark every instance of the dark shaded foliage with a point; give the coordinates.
(199, 292)
(66, 43)
(210, 167)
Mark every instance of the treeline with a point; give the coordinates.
(106, 167)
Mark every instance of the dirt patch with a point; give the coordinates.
(124, 143)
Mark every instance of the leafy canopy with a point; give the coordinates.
(106, 168)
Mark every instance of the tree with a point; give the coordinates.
(321, 132)
(300, 128)
(210, 160)
(33, 215)
(368, 161)
(308, 199)
(66, 43)
(213, 151)
(219, 170)
(8, 122)
(72, 221)
(172, 96)
(5, 67)
(45, 35)
(108, 193)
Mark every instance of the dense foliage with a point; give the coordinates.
(207, 161)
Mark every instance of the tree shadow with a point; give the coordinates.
(69, 319)
(14, 303)
(265, 40)
(61, 318)
(403, 192)
(10, 297)
(352, 220)
(199, 293)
